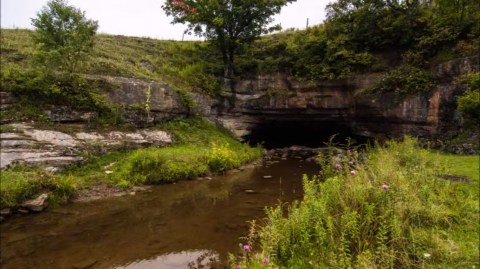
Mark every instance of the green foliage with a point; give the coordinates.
(228, 24)
(469, 103)
(393, 212)
(36, 90)
(63, 36)
(155, 165)
(189, 66)
(200, 148)
(20, 184)
(405, 80)
(6, 128)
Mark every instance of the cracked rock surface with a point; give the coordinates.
(37, 147)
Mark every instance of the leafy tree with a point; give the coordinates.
(227, 23)
(64, 37)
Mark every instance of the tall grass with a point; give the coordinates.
(201, 148)
(393, 211)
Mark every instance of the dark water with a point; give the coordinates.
(172, 226)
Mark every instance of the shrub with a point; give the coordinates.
(405, 80)
(469, 103)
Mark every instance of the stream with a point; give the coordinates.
(189, 224)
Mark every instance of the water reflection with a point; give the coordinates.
(144, 230)
(184, 259)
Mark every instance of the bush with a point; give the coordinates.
(19, 185)
(469, 103)
(405, 80)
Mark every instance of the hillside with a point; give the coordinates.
(131, 57)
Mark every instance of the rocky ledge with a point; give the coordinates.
(31, 146)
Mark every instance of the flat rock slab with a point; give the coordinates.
(53, 148)
(24, 155)
(52, 137)
(11, 136)
(15, 143)
(89, 136)
(38, 204)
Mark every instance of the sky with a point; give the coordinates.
(145, 18)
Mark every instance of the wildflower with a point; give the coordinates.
(351, 163)
(338, 166)
(426, 255)
(385, 186)
(353, 172)
(246, 247)
(265, 260)
(239, 267)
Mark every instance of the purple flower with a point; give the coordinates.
(353, 172)
(239, 267)
(385, 186)
(265, 260)
(338, 166)
(351, 163)
(246, 247)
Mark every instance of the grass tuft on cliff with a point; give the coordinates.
(200, 148)
(402, 207)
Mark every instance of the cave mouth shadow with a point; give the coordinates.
(309, 133)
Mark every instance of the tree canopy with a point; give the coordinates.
(227, 23)
(63, 35)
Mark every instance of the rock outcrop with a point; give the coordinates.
(346, 102)
(54, 149)
(259, 103)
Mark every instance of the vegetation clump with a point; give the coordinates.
(405, 80)
(200, 149)
(469, 103)
(63, 36)
(393, 211)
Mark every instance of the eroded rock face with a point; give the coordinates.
(275, 98)
(55, 149)
(255, 103)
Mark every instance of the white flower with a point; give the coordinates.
(427, 255)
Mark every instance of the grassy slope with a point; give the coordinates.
(200, 149)
(144, 58)
(421, 221)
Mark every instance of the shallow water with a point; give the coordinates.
(182, 225)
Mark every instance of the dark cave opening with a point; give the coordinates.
(280, 133)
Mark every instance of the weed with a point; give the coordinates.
(394, 212)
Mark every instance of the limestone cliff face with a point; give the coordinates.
(276, 97)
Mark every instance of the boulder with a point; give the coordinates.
(38, 204)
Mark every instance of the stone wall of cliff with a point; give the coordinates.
(275, 98)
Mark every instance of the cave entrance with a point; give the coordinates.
(280, 133)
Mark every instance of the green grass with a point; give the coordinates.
(351, 221)
(200, 148)
(461, 165)
(188, 66)
(6, 128)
